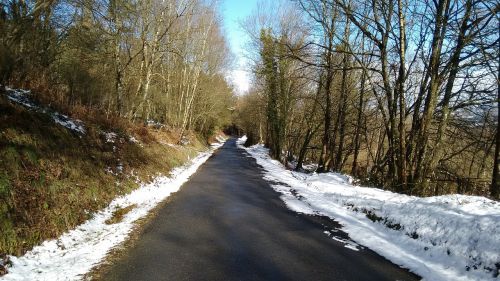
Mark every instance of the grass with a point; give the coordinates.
(51, 179)
(119, 213)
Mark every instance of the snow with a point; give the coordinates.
(452, 237)
(347, 243)
(155, 124)
(76, 252)
(241, 141)
(111, 137)
(134, 140)
(22, 97)
(65, 121)
(220, 139)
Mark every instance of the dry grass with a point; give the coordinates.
(119, 213)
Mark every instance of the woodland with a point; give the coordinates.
(159, 61)
(400, 94)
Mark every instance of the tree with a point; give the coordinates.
(161, 56)
(407, 87)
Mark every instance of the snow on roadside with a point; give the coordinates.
(76, 252)
(453, 237)
(220, 139)
(241, 141)
(22, 97)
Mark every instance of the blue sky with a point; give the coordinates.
(233, 11)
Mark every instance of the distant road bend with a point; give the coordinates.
(227, 223)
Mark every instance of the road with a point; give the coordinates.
(227, 223)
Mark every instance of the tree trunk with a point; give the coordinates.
(454, 68)
(323, 159)
(431, 98)
(495, 182)
(357, 133)
(402, 176)
(116, 22)
(343, 102)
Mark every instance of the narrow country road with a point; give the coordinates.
(227, 223)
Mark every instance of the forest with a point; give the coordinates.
(400, 94)
(158, 61)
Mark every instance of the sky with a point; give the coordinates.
(233, 11)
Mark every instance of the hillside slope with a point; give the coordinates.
(55, 171)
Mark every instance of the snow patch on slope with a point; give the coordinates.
(22, 97)
(453, 237)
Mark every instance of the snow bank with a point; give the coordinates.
(76, 252)
(453, 237)
(22, 97)
(242, 140)
(220, 139)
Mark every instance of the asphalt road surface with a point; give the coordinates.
(227, 223)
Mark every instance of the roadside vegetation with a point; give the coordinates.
(52, 179)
